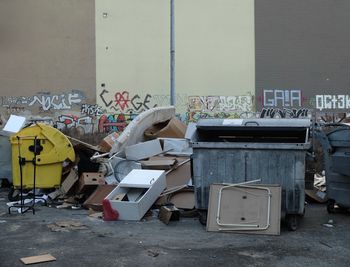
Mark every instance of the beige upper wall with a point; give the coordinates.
(47, 46)
(132, 46)
(214, 50)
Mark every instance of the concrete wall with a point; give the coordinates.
(302, 56)
(214, 43)
(47, 59)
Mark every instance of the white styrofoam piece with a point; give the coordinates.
(135, 210)
(143, 150)
(14, 124)
(141, 178)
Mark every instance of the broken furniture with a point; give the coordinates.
(136, 193)
(38, 152)
(244, 208)
(336, 151)
(237, 150)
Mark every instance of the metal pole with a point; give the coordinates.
(172, 54)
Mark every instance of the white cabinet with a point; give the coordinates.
(136, 193)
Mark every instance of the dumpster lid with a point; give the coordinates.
(290, 123)
(253, 130)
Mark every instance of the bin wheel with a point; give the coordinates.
(203, 217)
(292, 222)
(13, 195)
(331, 206)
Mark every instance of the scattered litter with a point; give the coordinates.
(64, 206)
(328, 225)
(65, 226)
(323, 243)
(169, 213)
(96, 215)
(38, 259)
(152, 253)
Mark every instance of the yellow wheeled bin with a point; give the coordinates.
(39, 151)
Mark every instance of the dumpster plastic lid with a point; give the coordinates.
(253, 130)
(290, 123)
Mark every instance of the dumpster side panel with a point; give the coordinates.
(337, 166)
(272, 166)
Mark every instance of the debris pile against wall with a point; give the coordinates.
(145, 170)
(145, 165)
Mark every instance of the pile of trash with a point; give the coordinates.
(147, 165)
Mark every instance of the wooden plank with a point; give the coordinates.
(38, 259)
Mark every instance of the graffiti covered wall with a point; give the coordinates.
(132, 63)
(302, 58)
(47, 66)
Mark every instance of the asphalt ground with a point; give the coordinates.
(181, 243)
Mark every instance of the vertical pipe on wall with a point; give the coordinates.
(172, 54)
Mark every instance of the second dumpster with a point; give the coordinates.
(242, 150)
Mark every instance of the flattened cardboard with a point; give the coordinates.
(94, 201)
(143, 150)
(37, 259)
(244, 206)
(179, 176)
(183, 199)
(69, 182)
(173, 128)
(158, 164)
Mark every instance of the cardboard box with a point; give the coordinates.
(88, 181)
(94, 201)
(142, 188)
(173, 128)
(168, 213)
(245, 209)
(107, 142)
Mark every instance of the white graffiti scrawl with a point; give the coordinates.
(220, 103)
(332, 102)
(93, 110)
(56, 102)
(282, 98)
